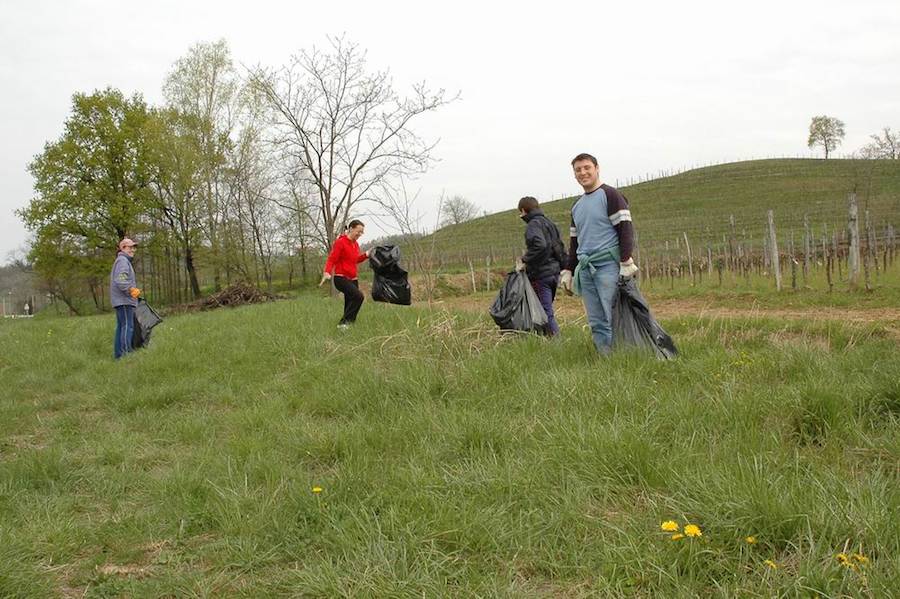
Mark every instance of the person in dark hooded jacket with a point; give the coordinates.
(543, 257)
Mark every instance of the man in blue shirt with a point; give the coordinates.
(601, 239)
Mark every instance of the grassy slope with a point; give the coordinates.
(699, 202)
(451, 464)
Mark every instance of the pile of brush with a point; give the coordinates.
(238, 294)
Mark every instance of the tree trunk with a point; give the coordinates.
(93, 287)
(67, 302)
(192, 272)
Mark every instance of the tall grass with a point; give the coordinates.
(451, 462)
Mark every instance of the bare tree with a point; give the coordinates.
(458, 210)
(400, 207)
(302, 207)
(825, 131)
(254, 204)
(344, 127)
(887, 146)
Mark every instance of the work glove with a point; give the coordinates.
(565, 281)
(134, 292)
(520, 266)
(325, 276)
(628, 268)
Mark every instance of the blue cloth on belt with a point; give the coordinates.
(590, 262)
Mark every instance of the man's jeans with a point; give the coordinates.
(124, 330)
(546, 291)
(598, 288)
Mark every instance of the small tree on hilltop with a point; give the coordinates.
(886, 146)
(827, 132)
(458, 210)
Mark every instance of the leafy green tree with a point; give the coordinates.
(68, 269)
(92, 189)
(826, 132)
(92, 182)
(176, 175)
(204, 88)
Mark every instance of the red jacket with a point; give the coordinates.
(344, 257)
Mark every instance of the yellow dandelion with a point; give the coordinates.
(842, 557)
(317, 490)
(677, 536)
(669, 526)
(692, 530)
(751, 540)
(861, 558)
(771, 564)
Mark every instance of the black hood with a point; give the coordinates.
(531, 215)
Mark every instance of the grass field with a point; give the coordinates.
(700, 203)
(448, 461)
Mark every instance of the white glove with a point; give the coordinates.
(628, 268)
(325, 277)
(520, 266)
(565, 281)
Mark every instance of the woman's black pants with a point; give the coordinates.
(353, 298)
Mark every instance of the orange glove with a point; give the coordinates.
(135, 292)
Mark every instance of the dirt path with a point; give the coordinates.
(570, 309)
(676, 308)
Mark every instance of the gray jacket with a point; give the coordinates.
(121, 280)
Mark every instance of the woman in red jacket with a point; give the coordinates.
(341, 264)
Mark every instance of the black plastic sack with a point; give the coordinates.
(633, 325)
(390, 283)
(145, 318)
(517, 307)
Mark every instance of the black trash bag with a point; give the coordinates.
(145, 318)
(390, 283)
(633, 325)
(517, 307)
(383, 257)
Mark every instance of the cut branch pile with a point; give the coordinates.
(238, 294)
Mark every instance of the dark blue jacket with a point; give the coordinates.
(540, 237)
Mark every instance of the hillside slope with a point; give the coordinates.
(700, 203)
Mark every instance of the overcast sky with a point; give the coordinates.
(645, 86)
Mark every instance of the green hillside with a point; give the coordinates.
(261, 452)
(700, 203)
